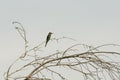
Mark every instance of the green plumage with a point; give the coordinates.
(48, 38)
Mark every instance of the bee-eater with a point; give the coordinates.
(48, 38)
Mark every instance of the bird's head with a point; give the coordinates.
(50, 33)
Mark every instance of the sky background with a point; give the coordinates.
(92, 22)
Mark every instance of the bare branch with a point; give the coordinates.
(92, 64)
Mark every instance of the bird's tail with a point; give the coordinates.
(45, 44)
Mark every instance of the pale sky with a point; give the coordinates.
(91, 22)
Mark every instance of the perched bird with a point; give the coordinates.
(48, 38)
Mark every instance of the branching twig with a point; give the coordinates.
(92, 64)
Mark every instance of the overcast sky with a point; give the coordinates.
(88, 21)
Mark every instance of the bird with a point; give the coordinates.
(48, 38)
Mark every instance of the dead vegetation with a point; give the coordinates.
(92, 64)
